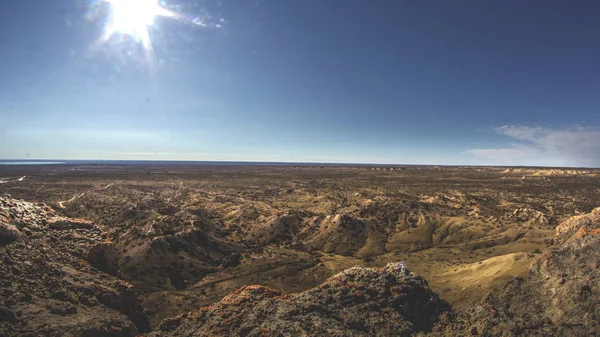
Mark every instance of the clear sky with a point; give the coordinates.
(415, 82)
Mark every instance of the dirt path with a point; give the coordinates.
(61, 204)
(8, 180)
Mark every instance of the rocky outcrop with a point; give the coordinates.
(357, 302)
(559, 297)
(584, 224)
(47, 285)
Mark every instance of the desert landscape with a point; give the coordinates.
(269, 250)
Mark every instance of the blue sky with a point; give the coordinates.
(415, 82)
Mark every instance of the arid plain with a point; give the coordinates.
(185, 236)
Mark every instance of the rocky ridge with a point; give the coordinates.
(356, 302)
(51, 278)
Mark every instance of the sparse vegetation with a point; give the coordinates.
(227, 227)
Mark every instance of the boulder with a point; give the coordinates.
(8, 233)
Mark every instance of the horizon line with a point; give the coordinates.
(82, 161)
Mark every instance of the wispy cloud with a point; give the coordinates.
(573, 146)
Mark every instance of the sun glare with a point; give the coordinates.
(134, 18)
(131, 23)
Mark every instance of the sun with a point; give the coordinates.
(134, 18)
(129, 24)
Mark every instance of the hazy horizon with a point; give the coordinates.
(261, 163)
(427, 83)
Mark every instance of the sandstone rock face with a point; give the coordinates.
(47, 288)
(357, 302)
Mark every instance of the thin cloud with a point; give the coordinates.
(574, 146)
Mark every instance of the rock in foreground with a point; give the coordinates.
(48, 288)
(357, 302)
